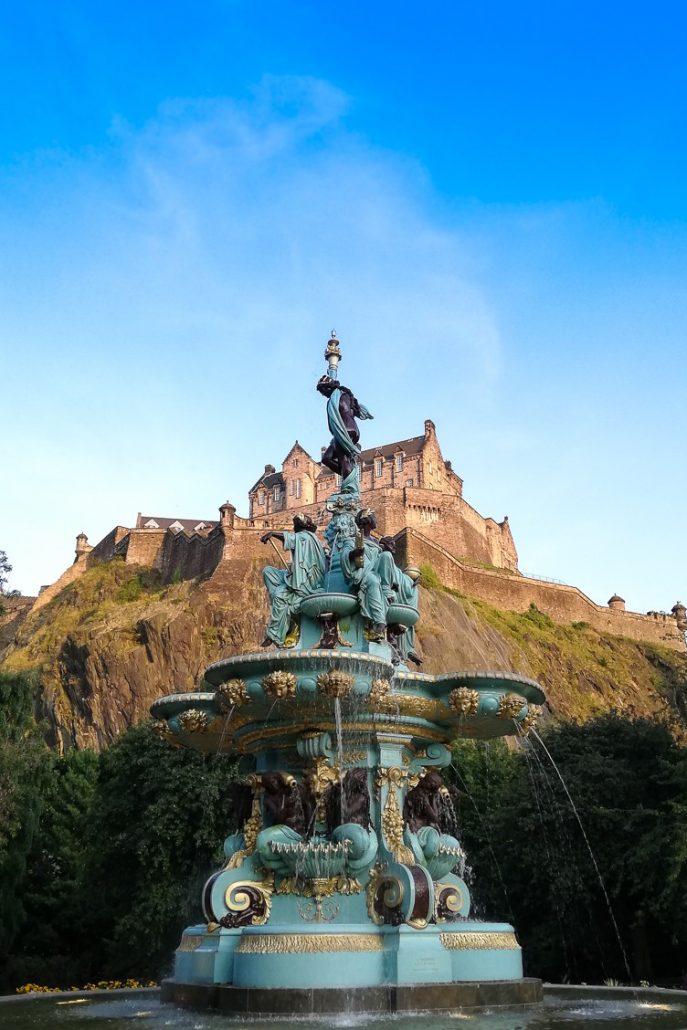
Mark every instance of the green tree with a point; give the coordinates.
(25, 769)
(53, 946)
(161, 816)
(627, 779)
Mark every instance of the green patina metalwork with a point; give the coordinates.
(349, 842)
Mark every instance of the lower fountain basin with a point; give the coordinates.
(571, 1007)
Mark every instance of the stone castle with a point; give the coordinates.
(417, 498)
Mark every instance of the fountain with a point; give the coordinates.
(343, 887)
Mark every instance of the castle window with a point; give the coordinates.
(276, 493)
(399, 462)
(298, 488)
(261, 496)
(295, 463)
(409, 482)
(379, 467)
(151, 524)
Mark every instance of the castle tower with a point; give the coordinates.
(227, 515)
(82, 546)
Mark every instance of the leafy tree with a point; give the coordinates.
(160, 820)
(54, 884)
(25, 766)
(627, 780)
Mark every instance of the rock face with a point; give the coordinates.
(117, 638)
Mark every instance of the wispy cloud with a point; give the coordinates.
(172, 296)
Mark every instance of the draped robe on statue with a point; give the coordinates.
(342, 438)
(366, 580)
(288, 587)
(396, 584)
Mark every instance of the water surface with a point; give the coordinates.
(647, 1010)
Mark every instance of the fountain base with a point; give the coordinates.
(385, 998)
(265, 969)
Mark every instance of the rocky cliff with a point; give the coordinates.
(116, 638)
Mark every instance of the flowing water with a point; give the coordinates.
(570, 1010)
(589, 849)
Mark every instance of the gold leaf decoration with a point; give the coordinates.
(251, 827)
(335, 683)
(464, 701)
(378, 698)
(479, 941)
(231, 694)
(289, 943)
(193, 720)
(280, 684)
(531, 719)
(510, 706)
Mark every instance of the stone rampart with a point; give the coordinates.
(513, 592)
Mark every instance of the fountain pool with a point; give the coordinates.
(570, 1008)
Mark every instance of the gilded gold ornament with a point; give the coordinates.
(193, 720)
(510, 706)
(251, 827)
(231, 694)
(335, 683)
(355, 757)
(161, 729)
(379, 698)
(321, 775)
(280, 684)
(448, 901)
(464, 701)
(293, 635)
(530, 720)
(384, 891)
(320, 887)
(250, 901)
(309, 943)
(479, 941)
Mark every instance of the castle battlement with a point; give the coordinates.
(417, 498)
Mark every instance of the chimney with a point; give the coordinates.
(430, 428)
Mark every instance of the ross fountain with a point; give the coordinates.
(343, 887)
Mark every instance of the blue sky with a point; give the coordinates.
(487, 203)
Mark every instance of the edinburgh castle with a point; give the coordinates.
(417, 498)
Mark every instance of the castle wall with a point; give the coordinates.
(515, 593)
(143, 547)
(443, 517)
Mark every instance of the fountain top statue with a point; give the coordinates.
(350, 841)
(343, 408)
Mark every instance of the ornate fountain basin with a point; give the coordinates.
(325, 603)
(276, 695)
(402, 615)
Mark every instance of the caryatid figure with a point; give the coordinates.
(399, 586)
(359, 564)
(342, 410)
(287, 587)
